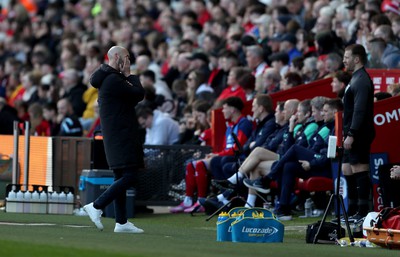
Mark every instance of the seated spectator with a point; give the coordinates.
(22, 110)
(73, 89)
(50, 114)
(227, 59)
(69, 123)
(333, 63)
(39, 126)
(391, 54)
(297, 64)
(96, 125)
(197, 88)
(197, 172)
(310, 72)
(193, 128)
(280, 62)
(48, 89)
(299, 161)
(161, 129)
(223, 167)
(393, 89)
(7, 117)
(148, 78)
(233, 89)
(339, 82)
(255, 60)
(179, 89)
(248, 83)
(30, 81)
(269, 83)
(260, 158)
(376, 48)
(381, 96)
(290, 80)
(199, 61)
(288, 45)
(187, 126)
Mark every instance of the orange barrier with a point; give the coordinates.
(40, 158)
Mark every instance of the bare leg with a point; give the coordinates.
(257, 156)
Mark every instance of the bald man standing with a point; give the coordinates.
(119, 93)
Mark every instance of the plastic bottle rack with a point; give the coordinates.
(39, 200)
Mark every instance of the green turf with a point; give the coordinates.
(165, 235)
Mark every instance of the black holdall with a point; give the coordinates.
(328, 233)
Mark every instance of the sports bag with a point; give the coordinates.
(327, 234)
(389, 218)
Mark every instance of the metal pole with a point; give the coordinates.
(26, 166)
(15, 166)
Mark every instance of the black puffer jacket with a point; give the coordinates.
(118, 96)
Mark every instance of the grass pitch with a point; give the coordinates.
(165, 235)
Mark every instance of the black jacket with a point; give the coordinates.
(118, 96)
(358, 118)
(263, 130)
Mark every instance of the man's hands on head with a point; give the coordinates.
(125, 66)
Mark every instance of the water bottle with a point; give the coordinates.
(222, 217)
(20, 201)
(11, 204)
(362, 243)
(267, 205)
(35, 204)
(70, 203)
(53, 203)
(43, 202)
(62, 200)
(308, 207)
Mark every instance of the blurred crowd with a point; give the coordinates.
(190, 55)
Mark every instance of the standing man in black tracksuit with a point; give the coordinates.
(119, 93)
(359, 131)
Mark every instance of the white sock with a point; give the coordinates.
(221, 197)
(251, 200)
(188, 201)
(233, 179)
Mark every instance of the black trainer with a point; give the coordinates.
(222, 184)
(212, 204)
(257, 184)
(283, 215)
(356, 218)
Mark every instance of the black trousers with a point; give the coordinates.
(123, 179)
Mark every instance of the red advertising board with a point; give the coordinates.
(382, 78)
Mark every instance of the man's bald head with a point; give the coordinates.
(116, 56)
(116, 50)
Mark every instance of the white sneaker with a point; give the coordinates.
(94, 215)
(128, 227)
